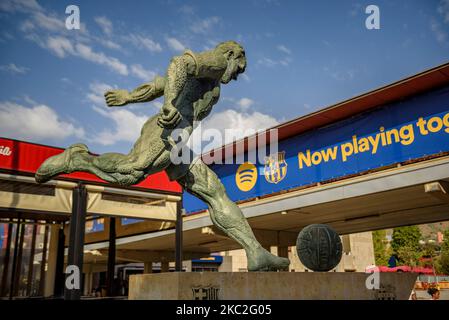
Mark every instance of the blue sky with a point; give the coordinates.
(302, 56)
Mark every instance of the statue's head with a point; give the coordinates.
(235, 56)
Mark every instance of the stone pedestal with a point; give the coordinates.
(270, 285)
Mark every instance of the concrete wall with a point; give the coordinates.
(362, 249)
(226, 265)
(233, 261)
(269, 285)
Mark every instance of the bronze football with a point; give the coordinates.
(319, 247)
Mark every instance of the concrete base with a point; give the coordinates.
(270, 285)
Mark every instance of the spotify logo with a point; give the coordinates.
(246, 176)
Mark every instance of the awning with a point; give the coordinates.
(23, 193)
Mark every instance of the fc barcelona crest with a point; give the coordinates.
(205, 293)
(275, 167)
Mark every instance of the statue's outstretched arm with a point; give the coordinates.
(144, 93)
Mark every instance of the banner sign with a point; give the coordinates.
(392, 133)
(3, 235)
(95, 225)
(126, 221)
(211, 259)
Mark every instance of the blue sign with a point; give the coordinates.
(392, 133)
(2, 234)
(126, 221)
(96, 224)
(211, 259)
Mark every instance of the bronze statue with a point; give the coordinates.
(190, 88)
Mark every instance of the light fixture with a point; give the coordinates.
(93, 252)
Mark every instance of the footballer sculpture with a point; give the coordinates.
(191, 87)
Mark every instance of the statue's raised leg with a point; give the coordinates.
(77, 158)
(202, 182)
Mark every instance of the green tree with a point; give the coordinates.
(445, 244)
(443, 264)
(382, 251)
(406, 245)
(408, 256)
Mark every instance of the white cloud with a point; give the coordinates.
(48, 30)
(50, 23)
(245, 77)
(110, 44)
(327, 43)
(438, 32)
(439, 29)
(245, 103)
(38, 123)
(205, 25)
(96, 94)
(175, 44)
(105, 24)
(29, 101)
(36, 39)
(284, 49)
(142, 73)
(60, 46)
(12, 68)
(144, 43)
(356, 9)
(186, 9)
(267, 62)
(339, 75)
(5, 36)
(443, 9)
(127, 126)
(285, 62)
(87, 53)
(27, 26)
(19, 5)
(210, 44)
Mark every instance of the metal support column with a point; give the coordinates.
(18, 271)
(30, 263)
(111, 258)
(178, 239)
(59, 279)
(43, 261)
(4, 285)
(76, 241)
(14, 260)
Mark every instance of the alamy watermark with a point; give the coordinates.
(257, 145)
(72, 22)
(73, 278)
(373, 20)
(372, 282)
